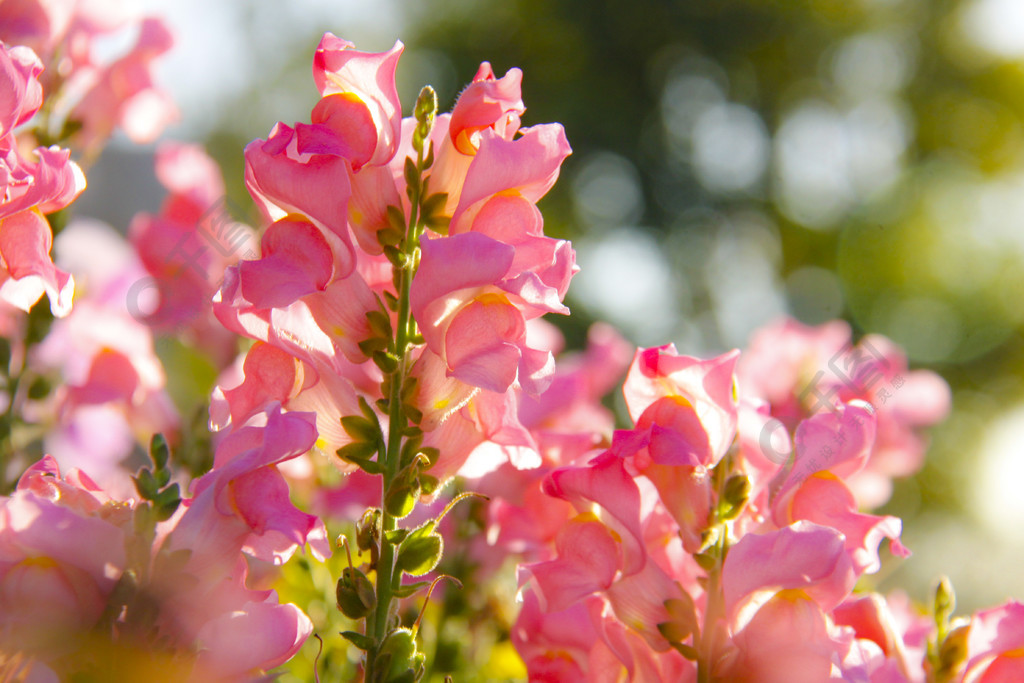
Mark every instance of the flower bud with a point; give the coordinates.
(945, 600)
(397, 659)
(368, 530)
(355, 593)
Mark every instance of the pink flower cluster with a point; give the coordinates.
(330, 189)
(78, 569)
(30, 189)
(399, 290)
(89, 97)
(687, 544)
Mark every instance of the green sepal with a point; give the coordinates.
(368, 530)
(705, 561)
(372, 344)
(396, 219)
(396, 256)
(414, 414)
(432, 454)
(682, 621)
(434, 204)
(39, 388)
(389, 236)
(397, 659)
(412, 176)
(363, 642)
(391, 301)
(410, 448)
(428, 484)
(439, 223)
(166, 502)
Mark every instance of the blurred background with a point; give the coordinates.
(734, 161)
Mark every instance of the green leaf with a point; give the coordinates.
(400, 500)
(434, 204)
(396, 219)
(361, 429)
(145, 484)
(409, 589)
(380, 324)
(396, 536)
(159, 451)
(365, 643)
(421, 551)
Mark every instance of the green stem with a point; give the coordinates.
(712, 612)
(388, 579)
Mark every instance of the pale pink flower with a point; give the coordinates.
(994, 644)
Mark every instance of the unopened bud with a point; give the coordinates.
(945, 600)
(426, 105)
(424, 111)
(355, 593)
(368, 530)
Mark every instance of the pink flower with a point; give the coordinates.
(360, 100)
(123, 95)
(98, 95)
(106, 360)
(701, 406)
(994, 645)
(30, 189)
(801, 370)
(779, 588)
(62, 550)
(187, 246)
